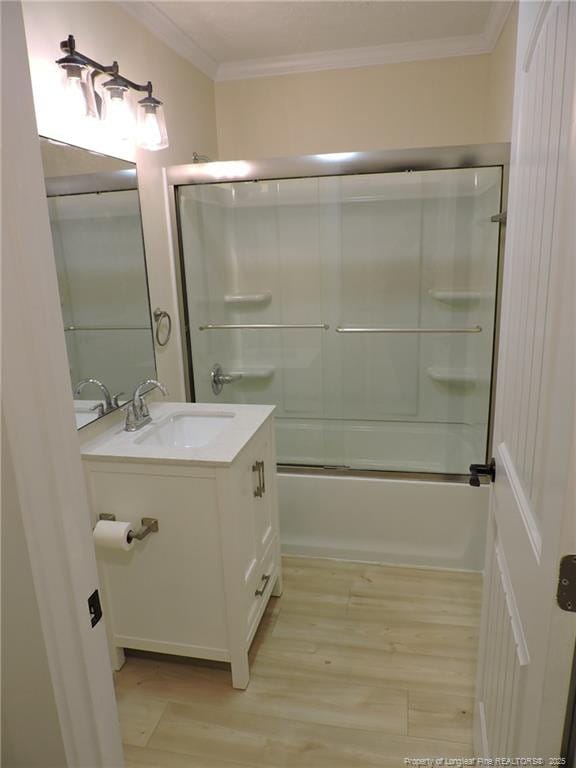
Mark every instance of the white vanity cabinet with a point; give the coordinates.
(199, 585)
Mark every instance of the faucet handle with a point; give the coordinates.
(99, 407)
(115, 399)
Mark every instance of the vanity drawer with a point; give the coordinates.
(260, 587)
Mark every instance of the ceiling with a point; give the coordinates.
(230, 39)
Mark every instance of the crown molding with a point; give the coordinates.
(165, 29)
(495, 24)
(351, 58)
(152, 17)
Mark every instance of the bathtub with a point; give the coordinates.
(376, 519)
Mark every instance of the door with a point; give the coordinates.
(526, 641)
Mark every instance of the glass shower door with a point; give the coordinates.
(361, 306)
(416, 299)
(253, 259)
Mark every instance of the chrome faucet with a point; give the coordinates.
(137, 413)
(108, 404)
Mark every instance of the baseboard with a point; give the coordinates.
(361, 556)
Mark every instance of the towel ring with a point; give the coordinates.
(159, 315)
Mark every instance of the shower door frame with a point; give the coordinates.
(341, 164)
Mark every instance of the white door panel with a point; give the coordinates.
(519, 713)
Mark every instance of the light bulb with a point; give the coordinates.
(119, 117)
(75, 101)
(150, 130)
(151, 126)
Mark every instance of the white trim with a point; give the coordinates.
(174, 649)
(152, 17)
(535, 35)
(514, 613)
(481, 734)
(173, 266)
(528, 518)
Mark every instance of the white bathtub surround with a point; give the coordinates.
(198, 586)
(407, 522)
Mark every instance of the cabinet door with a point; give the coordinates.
(264, 477)
(249, 520)
(166, 593)
(248, 508)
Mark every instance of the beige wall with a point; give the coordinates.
(105, 32)
(501, 68)
(462, 100)
(439, 102)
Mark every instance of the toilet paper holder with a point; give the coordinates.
(149, 525)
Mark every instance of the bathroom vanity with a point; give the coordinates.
(198, 586)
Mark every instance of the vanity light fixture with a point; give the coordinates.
(115, 109)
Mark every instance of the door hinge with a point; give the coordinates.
(95, 608)
(499, 218)
(477, 470)
(566, 594)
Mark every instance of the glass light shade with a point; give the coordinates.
(77, 93)
(152, 134)
(118, 111)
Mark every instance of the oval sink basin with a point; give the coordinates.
(186, 430)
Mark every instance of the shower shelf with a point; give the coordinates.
(248, 298)
(453, 297)
(252, 372)
(453, 375)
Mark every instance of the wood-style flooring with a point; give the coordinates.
(355, 665)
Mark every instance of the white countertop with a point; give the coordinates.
(117, 444)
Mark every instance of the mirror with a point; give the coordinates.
(97, 234)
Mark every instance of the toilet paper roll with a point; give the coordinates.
(112, 534)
